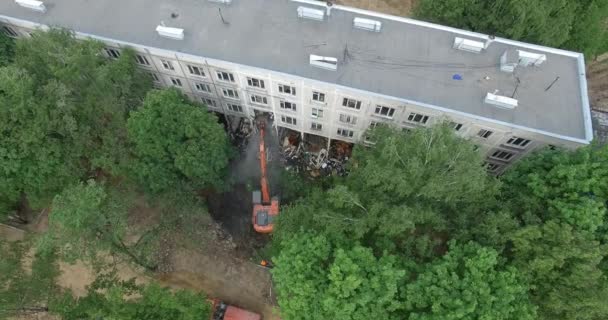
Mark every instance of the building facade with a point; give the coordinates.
(507, 116)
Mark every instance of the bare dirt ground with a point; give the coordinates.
(207, 261)
(394, 7)
(597, 74)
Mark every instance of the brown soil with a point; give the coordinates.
(597, 74)
(394, 7)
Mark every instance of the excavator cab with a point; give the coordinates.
(265, 209)
(264, 215)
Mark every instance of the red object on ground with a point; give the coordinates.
(222, 311)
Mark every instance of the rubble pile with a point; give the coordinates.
(313, 159)
(240, 133)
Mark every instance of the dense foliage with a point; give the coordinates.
(63, 112)
(110, 298)
(7, 50)
(25, 289)
(176, 143)
(578, 25)
(461, 245)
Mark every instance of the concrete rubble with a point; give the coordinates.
(314, 159)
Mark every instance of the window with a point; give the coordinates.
(112, 53)
(346, 118)
(455, 125)
(209, 102)
(176, 82)
(167, 65)
(202, 87)
(283, 88)
(484, 133)
(385, 111)
(502, 155)
(288, 105)
(141, 60)
(10, 32)
(492, 167)
(154, 77)
(288, 120)
(225, 76)
(317, 113)
(416, 117)
(197, 71)
(518, 142)
(318, 96)
(258, 99)
(345, 133)
(234, 107)
(316, 126)
(351, 103)
(374, 124)
(253, 82)
(229, 93)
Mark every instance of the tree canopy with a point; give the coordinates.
(110, 298)
(528, 245)
(63, 110)
(578, 25)
(317, 280)
(177, 142)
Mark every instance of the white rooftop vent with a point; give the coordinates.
(309, 13)
(500, 101)
(367, 24)
(527, 59)
(328, 63)
(468, 45)
(222, 1)
(173, 33)
(32, 4)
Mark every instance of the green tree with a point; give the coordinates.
(567, 186)
(559, 199)
(25, 289)
(111, 299)
(467, 283)
(572, 24)
(89, 219)
(63, 114)
(317, 280)
(563, 267)
(177, 142)
(406, 193)
(7, 50)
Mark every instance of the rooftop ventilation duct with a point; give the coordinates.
(328, 63)
(500, 101)
(172, 33)
(309, 13)
(32, 4)
(468, 45)
(528, 59)
(221, 1)
(367, 24)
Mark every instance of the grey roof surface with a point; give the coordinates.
(404, 60)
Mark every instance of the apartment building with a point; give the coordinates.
(334, 71)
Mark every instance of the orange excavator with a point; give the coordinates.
(265, 210)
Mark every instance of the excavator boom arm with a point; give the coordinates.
(263, 180)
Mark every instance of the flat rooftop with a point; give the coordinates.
(407, 59)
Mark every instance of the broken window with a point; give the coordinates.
(316, 126)
(346, 118)
(202, 87)
(317, 113)
(456, 126)
(112, 53)
(345, 133)
(288, 120)
(384, 111)
(502, 155)
(209, 102)
(194, 70)
(518, 142)
(417, 117)
(288, 105)
(167, 65)
(258, 99)
(287, 89)
(141, 60)
(351, 103)
(484, 133)
(176, 82)
(257, 83)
